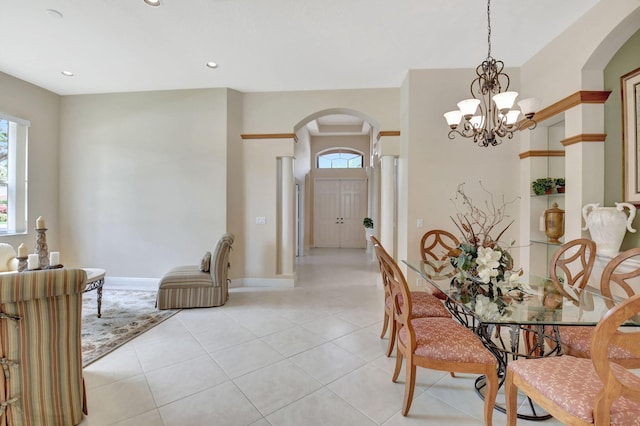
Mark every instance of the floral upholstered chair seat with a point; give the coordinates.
(447, 340)
(572, 383)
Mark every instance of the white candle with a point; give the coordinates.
(54, 258)
(40, 223)
(22, 250)
(32, 261)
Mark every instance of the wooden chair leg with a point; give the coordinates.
(392, 336)
(396, 372)
(491, 391)
(409, 387)
(385, 324)
(511, 398)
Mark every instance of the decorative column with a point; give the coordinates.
(286, 235)
(387, 202)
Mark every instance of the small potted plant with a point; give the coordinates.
(560, 185)
(368, 227)
(543, 186)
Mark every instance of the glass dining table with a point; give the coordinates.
(525, 323)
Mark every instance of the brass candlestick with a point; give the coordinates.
(41, 248)
(554, 223)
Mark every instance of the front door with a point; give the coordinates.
(339, 207)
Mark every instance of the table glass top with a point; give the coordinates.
(535, 301)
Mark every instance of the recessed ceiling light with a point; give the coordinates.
(152, 2)
(54, 13)
(212, 64)
(67, 73)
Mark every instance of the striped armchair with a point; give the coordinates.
(40, 348)
(191, 287)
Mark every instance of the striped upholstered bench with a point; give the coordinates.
(41, 348)
(191, 287)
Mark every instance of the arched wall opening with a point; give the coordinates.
(322, 131)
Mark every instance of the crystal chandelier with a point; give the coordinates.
(496, 118)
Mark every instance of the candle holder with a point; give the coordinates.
(41, 248)
(22, 263)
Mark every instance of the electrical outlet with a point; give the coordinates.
(420, 223)
(261, 220)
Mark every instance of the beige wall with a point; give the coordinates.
(143, 179)
(575, 59)
(278, 112)
(236, 176)
(260, 158)
(42, 109)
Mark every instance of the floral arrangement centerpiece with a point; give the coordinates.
(485, 275)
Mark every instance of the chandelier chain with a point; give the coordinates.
(489, 27)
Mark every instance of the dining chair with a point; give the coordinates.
(616, 282)
(426, 305)
(434, 249)
(570, 269)
(437, 343)
(579, 391)
(571, 266)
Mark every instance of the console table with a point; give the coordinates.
(95, 281)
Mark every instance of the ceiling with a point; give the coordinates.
(264, 45)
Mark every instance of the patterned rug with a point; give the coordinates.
(125, 315)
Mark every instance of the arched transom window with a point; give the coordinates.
(339, 158)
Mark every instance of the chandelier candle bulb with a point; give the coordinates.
(504, 101)
(54, 258)
(32, 261)
(40, 223)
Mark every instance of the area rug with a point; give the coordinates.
(125, 315)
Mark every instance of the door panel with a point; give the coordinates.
(326, 230)
(339, 206)
(353, 210)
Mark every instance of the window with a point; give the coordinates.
(339, 158)
(13, 175)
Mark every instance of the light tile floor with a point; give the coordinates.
(308, 356)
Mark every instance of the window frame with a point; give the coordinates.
(17, 172)
(339, 150)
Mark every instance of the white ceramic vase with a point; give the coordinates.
(607, 225)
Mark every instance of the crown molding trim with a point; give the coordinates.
(247, 136)
(584, 137)
(552, 153)
(383, 133)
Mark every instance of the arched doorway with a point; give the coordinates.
(347, 137)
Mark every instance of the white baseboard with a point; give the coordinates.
(263, 282)
(130, 283)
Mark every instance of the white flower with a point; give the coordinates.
(488, 262)
(488, 257)
(485, 308)
(485, 273)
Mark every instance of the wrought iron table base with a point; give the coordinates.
(540, 344)
(97, 285)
